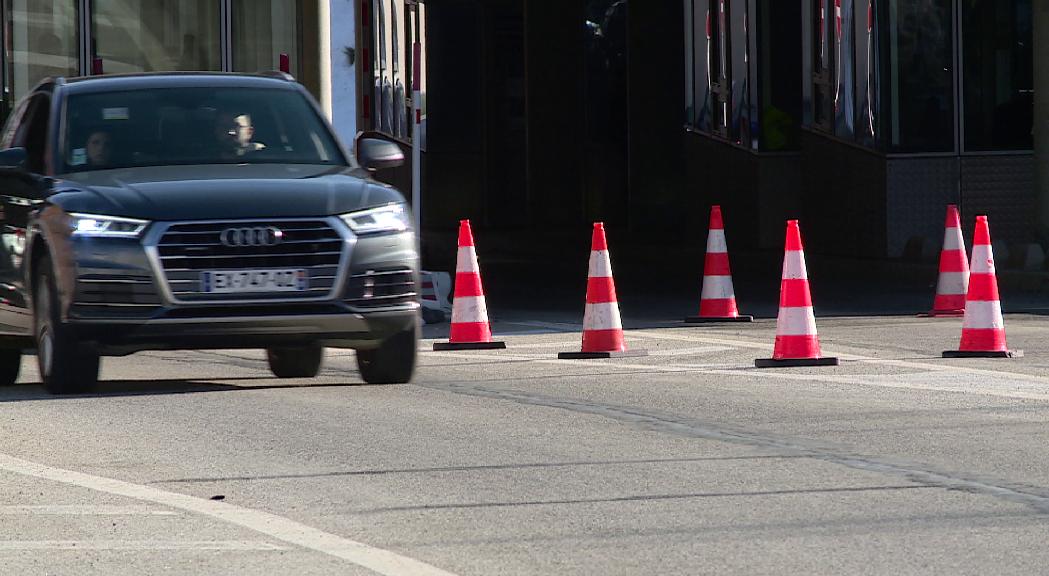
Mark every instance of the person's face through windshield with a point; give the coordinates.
(99, 148)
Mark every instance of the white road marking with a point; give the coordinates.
(278, 527)
(146, 545)
(967, 380)
(83, 510)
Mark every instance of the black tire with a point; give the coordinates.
(295, 362)
(10, 365)
(66, 365)
(393, 362)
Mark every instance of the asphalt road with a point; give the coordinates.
(688, 461)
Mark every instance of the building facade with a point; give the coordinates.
(866, 117)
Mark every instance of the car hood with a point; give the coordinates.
(219, 192)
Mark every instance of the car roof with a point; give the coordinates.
(117, 82)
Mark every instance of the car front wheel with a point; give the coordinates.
(66, 365)
(393, 362)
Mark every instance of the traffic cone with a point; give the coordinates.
(717, 301)
(953, 282)
(983, 329)
(796, 341)
(470, 329)
(602, 327)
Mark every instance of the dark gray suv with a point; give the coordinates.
(194, 211)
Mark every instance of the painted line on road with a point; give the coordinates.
(83, 510)
(1003, 384)
(145, 545)
(376, 559)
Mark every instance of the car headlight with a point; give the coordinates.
(389, 218)
(96, 225)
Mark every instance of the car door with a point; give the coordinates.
(20, 194)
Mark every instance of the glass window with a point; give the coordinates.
(867, 68)
(739, 62)
(781, 73)
(172, 126)
(262, 31)
(998, 74)
(922, 68)
(823, 65)
(702, 65)
(844, 109)
(42, 40)
(156, 35)
(690, 99)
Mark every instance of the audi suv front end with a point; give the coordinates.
(197, 211)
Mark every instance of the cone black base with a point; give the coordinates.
(600, 355)
(988, 354)
(469, 345)
(794, 362)
(958, 314)
(709, 320)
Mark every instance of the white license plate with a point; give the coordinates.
(237, 281)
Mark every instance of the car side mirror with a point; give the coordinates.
(375, 154)
(13, 158)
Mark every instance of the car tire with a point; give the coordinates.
(66, 365)
(10, 365)
(393, 362)
(296, 361)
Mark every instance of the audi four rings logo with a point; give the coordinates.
(262, 236)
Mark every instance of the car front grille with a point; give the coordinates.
(189, 248)
(380, 288)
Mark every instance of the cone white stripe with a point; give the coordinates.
(716, 243)
(717, 287)
(794, 265)
(952, 239)
(983, 260)
(602, 316)
(600, 264)
(952, 284)
(983, 315)
(466, 259)
(796, 321)
(469, 309)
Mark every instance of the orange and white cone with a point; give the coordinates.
(953, 282)
(983, 329)
(602, 326)
(717, 301)
(470, 328)
(797, 343)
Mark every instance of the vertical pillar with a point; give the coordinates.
(1041, 111)
(342, 80)
(324, 54)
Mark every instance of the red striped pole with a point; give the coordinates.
(797, 343)
(470, 329)
(717, 301)
(953, 281)
(983, 328)
(602, 326)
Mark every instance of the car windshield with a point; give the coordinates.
(170, 126)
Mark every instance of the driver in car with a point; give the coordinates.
(234, 133)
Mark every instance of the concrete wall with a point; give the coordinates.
(343, 74)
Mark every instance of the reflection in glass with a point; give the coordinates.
(844, 109)
(867, 67)
(262, 31)
(42, 41)
(702, 64)
(156, 35)
(998, 81)
(690, 98)
(741, 129)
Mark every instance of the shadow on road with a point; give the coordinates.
(108, 388)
